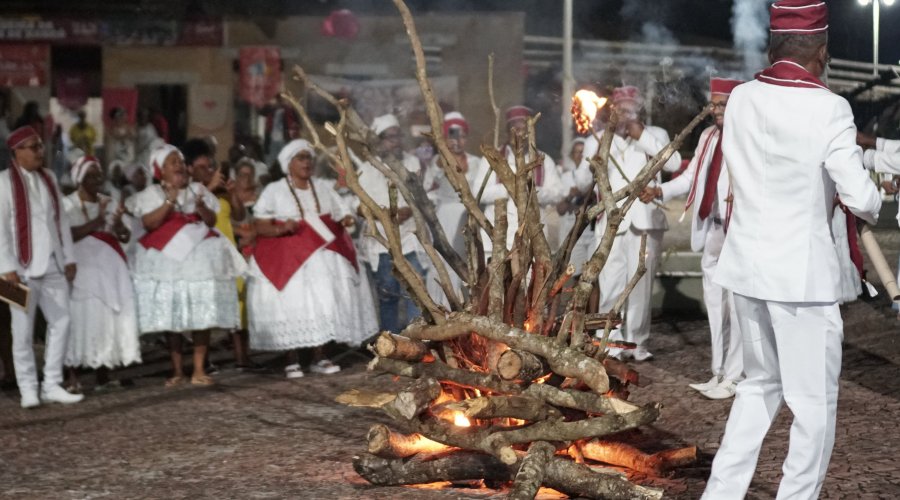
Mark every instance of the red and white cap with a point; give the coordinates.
(798, 17)
(518, 112)
(627, 93)
(455, 119)
(722, 86)
(159, 156)
(19, 136)
(81, 167)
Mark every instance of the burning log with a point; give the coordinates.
(520, 365)
(579, 400)
(518, 407)
(440, 371)
(624, 455)
(531, 472)
(385, 443)
(413, 401)
(388, 345)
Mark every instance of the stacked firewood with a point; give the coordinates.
(507, 384)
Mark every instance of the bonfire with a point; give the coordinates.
(508, 385)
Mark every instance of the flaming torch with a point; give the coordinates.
(585, 105)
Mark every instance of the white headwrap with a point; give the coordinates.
(81, 167)
(384, 122)
(158, 158)
(292, 149)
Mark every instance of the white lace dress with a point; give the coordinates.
(196, 291)
(326, 299)
(103, 327)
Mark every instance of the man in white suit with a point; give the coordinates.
(632, 147)
(36, 249)
(789, 146)
(708, 188)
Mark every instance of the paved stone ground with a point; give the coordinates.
(261, 436)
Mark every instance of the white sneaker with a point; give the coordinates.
(641, 353)
(324, 367)
(56, 394)
(30, 400)
(706, 385)
(724, 390)
(293, 371)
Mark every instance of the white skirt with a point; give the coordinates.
(325, 300)
(197, 293)
(99, 336)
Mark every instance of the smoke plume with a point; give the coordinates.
(750, 28)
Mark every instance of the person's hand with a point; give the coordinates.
(634, 129)
(70, 271)
(348, 221)
(650, 193)
(889, 187)
(288, 227)
(217, 181)
(865, 141)
(230, 186)
(12, 277)
(403, 214)
(563, 207)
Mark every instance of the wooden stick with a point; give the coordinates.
(531, 473)
(414, 400)
(520, 365)
(446, 374)
(624, 455)
(579, 400)
(518, 407)
(389, 345)
(385, 443)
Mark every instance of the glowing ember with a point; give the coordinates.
(460, 420)
(585, 105)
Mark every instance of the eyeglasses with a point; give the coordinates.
(719, 105)
(38, 146)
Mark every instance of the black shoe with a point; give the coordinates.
(252, 367)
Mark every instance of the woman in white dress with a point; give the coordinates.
(306, 287)
(184, 272)
(103, 327)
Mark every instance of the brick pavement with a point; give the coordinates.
(261, 436)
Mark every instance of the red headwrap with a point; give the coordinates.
(722, 86)
(627, 93)
(798, 17)
(518, 113)
(20, 135)
(455, 119)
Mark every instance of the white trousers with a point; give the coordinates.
(725, 334)
(619, 268)
(51, 293)
(792, 353)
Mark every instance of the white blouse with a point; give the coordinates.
(154, 197)
(80, 212)
(276, 202)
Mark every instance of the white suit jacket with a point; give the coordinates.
(46, 247)
(885, 158)
(788, 151)
(631, 155)
(698, 169)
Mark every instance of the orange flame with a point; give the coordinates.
(460, 420)
(585, 105)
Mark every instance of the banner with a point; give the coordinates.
(24, 65)
(72, 88)
(141, 31)
(208, 106)
(126, 98)
(260, 74)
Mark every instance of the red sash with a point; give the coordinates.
(23, 211)
(111, 241)
(342, 244)
(786, 73)
(693, 193)
(160, 237)
(280, 257)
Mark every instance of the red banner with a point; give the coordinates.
(24, 65)
(72, 88)
(125, 98)
(260, 74)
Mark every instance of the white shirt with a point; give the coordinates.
(46, 246)
(154, 197)
(630, 158)
(788, 151)
(276, 202)
(885, 158)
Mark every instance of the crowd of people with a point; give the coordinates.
(179, 246)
